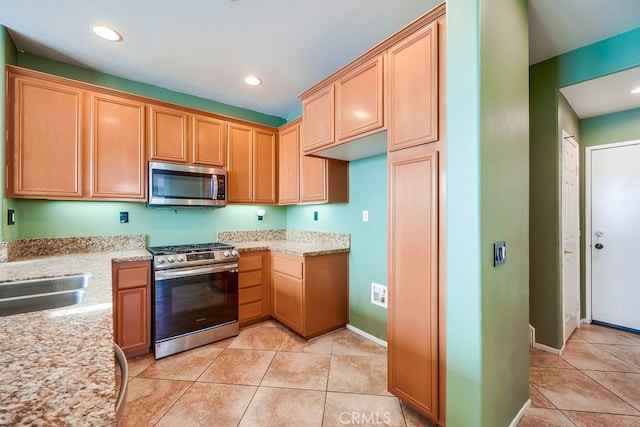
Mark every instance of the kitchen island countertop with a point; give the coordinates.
(58, 365)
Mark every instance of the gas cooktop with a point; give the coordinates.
(186, 249)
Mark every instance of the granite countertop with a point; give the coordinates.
(300, 243)
(58, 365)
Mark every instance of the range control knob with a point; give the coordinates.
(160, 260)
(180, 258)
(170, 259)
(226, 253)
(234, 253)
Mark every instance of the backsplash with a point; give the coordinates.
(25, 248)
(293, 235)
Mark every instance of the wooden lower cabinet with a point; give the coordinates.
(310, 294)
(253, 287)
(416, 279)
(131, 306)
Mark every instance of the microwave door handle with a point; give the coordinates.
(214, 184)
(169, 274)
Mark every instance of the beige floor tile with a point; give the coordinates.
(283, 407)
(238, 366)
(186, 366)
(295, 343)
(139, 364)
(358, 374)
(628, 353)
(542, 417)
(149, 399)
(589, 356)
(624, 385)
(346, 342)
(342, 409)
(538, 400)
(572, 390)
(298, 370)
(206, 404)
(590, 419)
(601, 335)
(544, 359)
(414, 419)
(259, 337)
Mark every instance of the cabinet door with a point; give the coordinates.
(264, 166)
(168, 134)
(359, 100)
(209, 141)
(313, 179)
(287, 301)
(46, 139)
(289, 166)
(413, 278)
(240, 164)
(318, 115)
(413, 89)
(117, 148)
(132, 322)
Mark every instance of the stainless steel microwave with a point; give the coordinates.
(171, 184)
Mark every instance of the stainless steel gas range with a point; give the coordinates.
(195, 295)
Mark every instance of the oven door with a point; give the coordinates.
(190, 299)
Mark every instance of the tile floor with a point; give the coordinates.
(267, 376)
(596, 382)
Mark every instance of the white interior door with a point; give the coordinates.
(615, 234)
(570, 236)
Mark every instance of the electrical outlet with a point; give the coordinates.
(124, 217)
(365, 216)
(315, 215)
(499, 253)
(11, 217)
(378, 294)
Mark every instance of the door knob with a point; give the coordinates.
(567, 251)
(599, 246)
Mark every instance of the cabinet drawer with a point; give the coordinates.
(250, 262)
(249, 278)
(289, 266)
(133, 277)
(250, 310)
(250, 295)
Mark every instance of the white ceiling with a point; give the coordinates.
(206, 47)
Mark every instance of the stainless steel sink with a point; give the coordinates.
(42, 294)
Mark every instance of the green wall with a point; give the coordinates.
(487, 201)
(504, 203)
(48, 218)
(8, 55)
(368, 257)
(549, 113)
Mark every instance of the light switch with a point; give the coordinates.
(499, 253)
(365, 216)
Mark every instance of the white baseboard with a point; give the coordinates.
(366, 335)
(549, 349)
(520, 413)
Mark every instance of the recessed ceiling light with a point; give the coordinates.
(252, 80)
(107, 33)
(636, 90)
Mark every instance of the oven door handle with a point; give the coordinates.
(172, 274)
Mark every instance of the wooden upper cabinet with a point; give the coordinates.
(168, 134)
(46, 135)
(318, 114)
(413, 89)
(264, 166)
(117, 148)
(208, 141)
(289, 164)
(323, 180)
(359, 100)
(251, 165)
